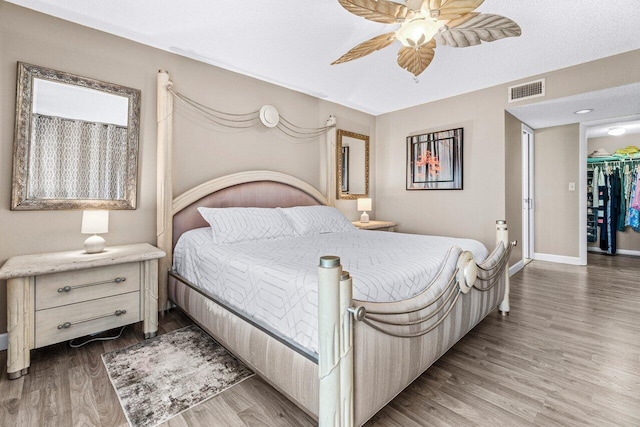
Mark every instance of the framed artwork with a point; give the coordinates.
(434, 161)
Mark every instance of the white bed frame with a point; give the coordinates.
(341, 319)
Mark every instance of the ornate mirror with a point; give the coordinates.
(352, 159)
(76, 142)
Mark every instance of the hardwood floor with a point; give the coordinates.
(568, 355)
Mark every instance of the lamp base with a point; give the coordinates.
(364, 217)
(94, 244)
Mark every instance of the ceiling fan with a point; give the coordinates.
(425, 23)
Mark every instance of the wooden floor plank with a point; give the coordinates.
(393, 417)
(568, 355)
(83, 403)
(105, 396)
(215, 412)
(268, 407)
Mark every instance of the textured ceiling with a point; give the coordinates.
(621, 103)
(292, 42)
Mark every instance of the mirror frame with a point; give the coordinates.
(24, 100)
(353, 135)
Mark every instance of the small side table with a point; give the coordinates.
(59, 296)
(376, 225)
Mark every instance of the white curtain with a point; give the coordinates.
(74, 159)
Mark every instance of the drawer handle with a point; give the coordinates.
(70, 288)
(67, 325)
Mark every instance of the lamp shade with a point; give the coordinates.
(95, 222)
(364, 204)
(417, 32)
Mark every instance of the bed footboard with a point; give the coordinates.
(383, 347)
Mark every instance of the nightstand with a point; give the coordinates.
(59, 296)
(376, 225)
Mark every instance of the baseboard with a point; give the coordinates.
(560, 259)
(618, 251)
(516, 267)
(4, 339)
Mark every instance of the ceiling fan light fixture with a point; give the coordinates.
(617, 131)
(418, 32)
(424, 25)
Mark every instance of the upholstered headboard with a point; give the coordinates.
(243, 189)
(260, 194)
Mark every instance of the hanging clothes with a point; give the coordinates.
(594, 185)
(610, 211)
(630, 196)
(613, 201)
(633, 220)
(603, 199)
(636, 202)
(613, 211)
(625, 190)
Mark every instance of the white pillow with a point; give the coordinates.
(235, 225)
(309, 220)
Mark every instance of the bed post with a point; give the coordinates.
(502, 235)
(334, 292)
(346, 350)
(164, 185)
(331, 162)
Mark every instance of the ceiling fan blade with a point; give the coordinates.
(478, 29)
(383, 11)
(416, 60)
(364, 49)
(461, 20)
(458, 7)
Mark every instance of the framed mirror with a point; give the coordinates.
(76, 142)
(352, 159)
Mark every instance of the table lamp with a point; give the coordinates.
(364, 205)
(94, 222)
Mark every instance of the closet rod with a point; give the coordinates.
(607, 162)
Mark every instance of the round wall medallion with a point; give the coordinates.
(269, 116)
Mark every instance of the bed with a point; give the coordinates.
(349, 356)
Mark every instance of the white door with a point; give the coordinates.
(527, 192)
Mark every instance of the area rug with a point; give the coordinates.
(166, 375)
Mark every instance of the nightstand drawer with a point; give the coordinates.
(57, 289)
(71, 321)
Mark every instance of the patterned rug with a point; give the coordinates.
(164, 376)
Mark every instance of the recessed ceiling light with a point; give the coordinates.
(616, 131)
(585, 111)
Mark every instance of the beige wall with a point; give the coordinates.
(556, 164)
(628, 239)
(513, 182)
(472, 212)
(202, 151)
(468, 213)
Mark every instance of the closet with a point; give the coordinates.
(613, 202)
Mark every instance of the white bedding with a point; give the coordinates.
(274, 282)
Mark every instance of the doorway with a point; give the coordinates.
(527, 194)
(595, 132)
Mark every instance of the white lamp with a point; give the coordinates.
(364, 204)
(94, 222)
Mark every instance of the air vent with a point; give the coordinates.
(526, 91)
